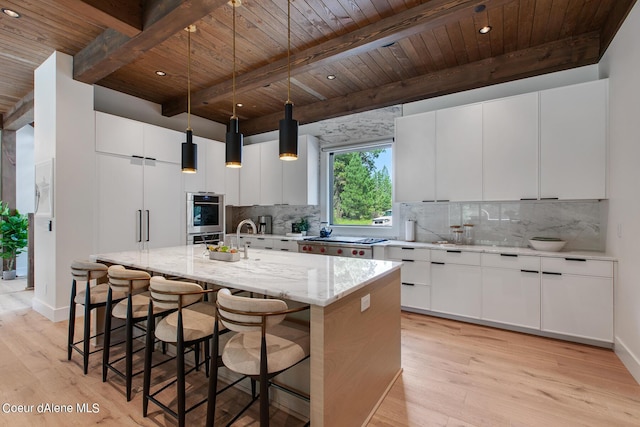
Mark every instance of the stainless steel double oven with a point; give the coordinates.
(205, 218)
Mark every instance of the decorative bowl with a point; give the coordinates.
(224, 256)
(548, 244)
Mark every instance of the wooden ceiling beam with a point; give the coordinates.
(124, 16)
(547, 58)
(112, 49)
(416, 20)
(21, 114)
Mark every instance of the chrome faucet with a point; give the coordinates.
(253, 228)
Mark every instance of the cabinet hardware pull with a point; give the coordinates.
(283, 240)
(510, 255)
(139, 225)
(530, 271)
(147, 224)
(454, 252)
(528, 198)
(442, 200)
(437, 263)
(260, 238)
(266, 247)
(150, 158)
(407, 249)
(428, 201)
(552, 273)
(407, 284)
(137, 157)
(407, 260)
(548, 198)
(282, 249)
(576, 259)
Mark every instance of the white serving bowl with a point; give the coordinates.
(547, 245)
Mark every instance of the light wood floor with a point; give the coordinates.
(455, 374)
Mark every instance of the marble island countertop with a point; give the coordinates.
(311, 279)
(502, 250)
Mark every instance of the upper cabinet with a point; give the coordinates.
(218, 177)
(459, 153)
(510, 148)
(573, 134)
(415, 156)
(117, 135)
(267, 180)
(542, 145)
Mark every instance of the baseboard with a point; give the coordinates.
(630, 361)
(53, 314)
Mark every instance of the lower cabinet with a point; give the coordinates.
(414, 276)
(267, 242)
(577, 298)
(511, 289)
(456, 283)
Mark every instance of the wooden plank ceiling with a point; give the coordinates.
(381, 52)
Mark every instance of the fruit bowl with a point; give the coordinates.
(548, 244)
(224, 256)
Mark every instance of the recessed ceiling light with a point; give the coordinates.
(11, 13)
(485, 29)
(160, 73)
(331, 77)
(239, 104)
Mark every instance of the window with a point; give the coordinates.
(360, 183)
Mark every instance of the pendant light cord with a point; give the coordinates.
(289, 52)
(189, 78)
(233, 5)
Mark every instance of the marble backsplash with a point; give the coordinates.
(581, 223)
(282, 216)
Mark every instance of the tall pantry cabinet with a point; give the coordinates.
(139, 183)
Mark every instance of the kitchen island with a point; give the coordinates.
(354, 316)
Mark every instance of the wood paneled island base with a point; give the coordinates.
(355, 350)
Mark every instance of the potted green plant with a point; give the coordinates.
(14, 229)
(303, 226)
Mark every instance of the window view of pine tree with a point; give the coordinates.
(362, 187)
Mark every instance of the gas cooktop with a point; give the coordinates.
(347, 240)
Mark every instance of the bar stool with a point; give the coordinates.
(264, 346)
(91, 297)
(189, 325)
(133, 310)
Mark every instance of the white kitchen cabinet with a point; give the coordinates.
(414, 275)
(511, 289)
(577, 298)
(573, 135)
(286, 245)
(219, 178)
(139, 203)
(118, 135)
(414, 158)
(456, 283)
(270, 173)
(250, 175)
(300, 178)
(459, 153)
(510, 148)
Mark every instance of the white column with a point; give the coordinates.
(64, 132)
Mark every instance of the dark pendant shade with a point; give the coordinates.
(288, 134)
(234, 144)
(189, 154)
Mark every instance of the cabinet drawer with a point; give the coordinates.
(416, 272)
(415, 296)
(285, 245)
(513, 261)
(407, 252)
(454, 256)
(579, 266)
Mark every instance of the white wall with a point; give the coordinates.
(65, 131)
(621, 63)
(24, 183)
(123, 105)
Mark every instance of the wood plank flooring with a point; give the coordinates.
(455, 374)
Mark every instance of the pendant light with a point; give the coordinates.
(189, 149)
(288, 126)
(234, 139)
